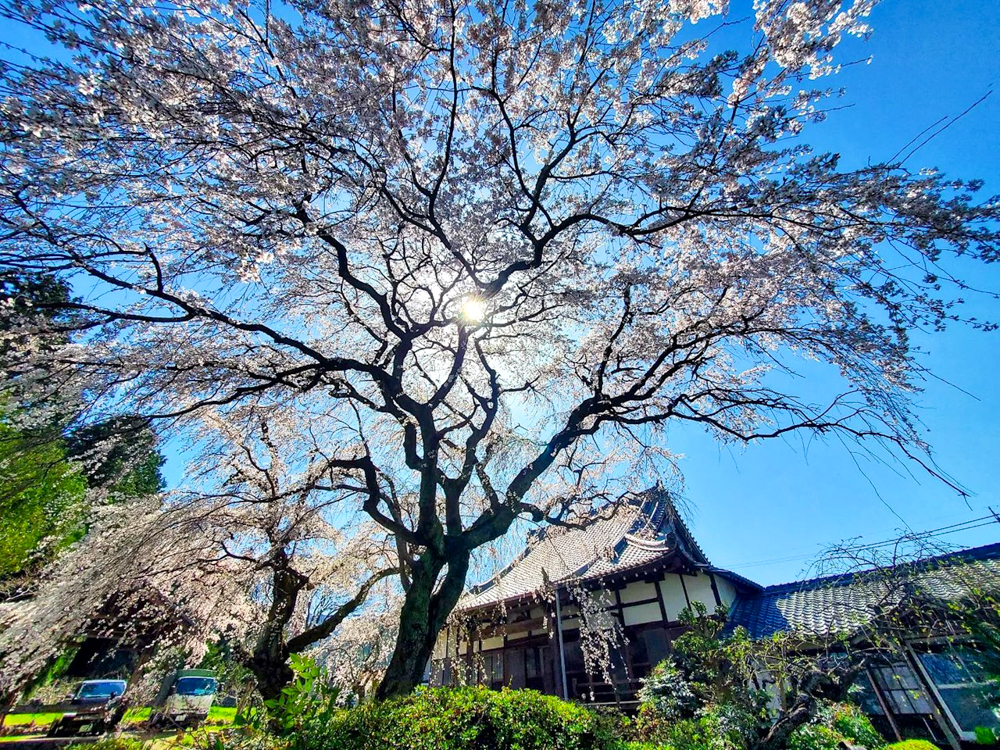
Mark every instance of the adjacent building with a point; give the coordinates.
(640, 568)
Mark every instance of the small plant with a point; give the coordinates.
(309, 694)
(985, 736)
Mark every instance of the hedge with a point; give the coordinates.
(468, 718)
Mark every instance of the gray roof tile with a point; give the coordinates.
(637, 534)
(844, 604)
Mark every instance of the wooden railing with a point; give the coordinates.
(619, 692)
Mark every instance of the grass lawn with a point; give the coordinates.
(216, 714)
(13, 720)
(222, 714)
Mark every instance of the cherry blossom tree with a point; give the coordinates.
(503, 246)
(259, 560)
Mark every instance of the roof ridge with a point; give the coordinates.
(969, 554)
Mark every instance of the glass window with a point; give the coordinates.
(901, 689)
(574, 657)
(531, 666)
(863, 694)
(945, 668)
(195, 686)
(101, 689)
(959, 677)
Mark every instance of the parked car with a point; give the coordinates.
(185, 698)
(96, 707)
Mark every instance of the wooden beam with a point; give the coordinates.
(685, 588)
(715, 590)
(659, 599)
(523, 626)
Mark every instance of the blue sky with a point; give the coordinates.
(767, 510)
(781, 500)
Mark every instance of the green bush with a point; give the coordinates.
(815, 737)
(686, 734)
(912, 745)
(462, 719)
(836, 723)
(985, 736)
(851, 722)
(668, 692)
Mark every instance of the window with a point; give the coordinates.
(98, 689)
(195, 686)
(902, 689)
(960, 679)
(647, 648)
(491, 674)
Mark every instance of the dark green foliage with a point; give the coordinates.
(47, 461)
(28, 298)
(667, 692)
(703, 696)
(815, 737)
(41, 497)
(117, 743)
(835, 724)
(853, 724)
(44, 479)
(119, 455)
(309, 697)
(462, 719)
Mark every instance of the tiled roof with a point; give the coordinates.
(636, 535)
(844, 604)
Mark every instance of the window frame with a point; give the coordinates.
(929, 647)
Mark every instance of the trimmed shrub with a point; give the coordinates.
(912, 745)
(462, 719)
(985, 736)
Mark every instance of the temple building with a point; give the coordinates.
(641, 568)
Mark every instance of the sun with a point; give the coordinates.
(473, 309)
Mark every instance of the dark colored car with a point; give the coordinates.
(96, 708)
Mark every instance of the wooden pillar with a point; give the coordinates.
(562, 650)
(886, 708)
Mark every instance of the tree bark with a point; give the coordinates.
(423, 615)
(269, 661)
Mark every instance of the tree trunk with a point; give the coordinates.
(272, 673)
(424, 613)
(269, 661)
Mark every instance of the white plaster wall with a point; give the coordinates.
(727, 591)
(637, 591)
(496, 642)
(673, 595)
(700, 589)
(641, 613)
